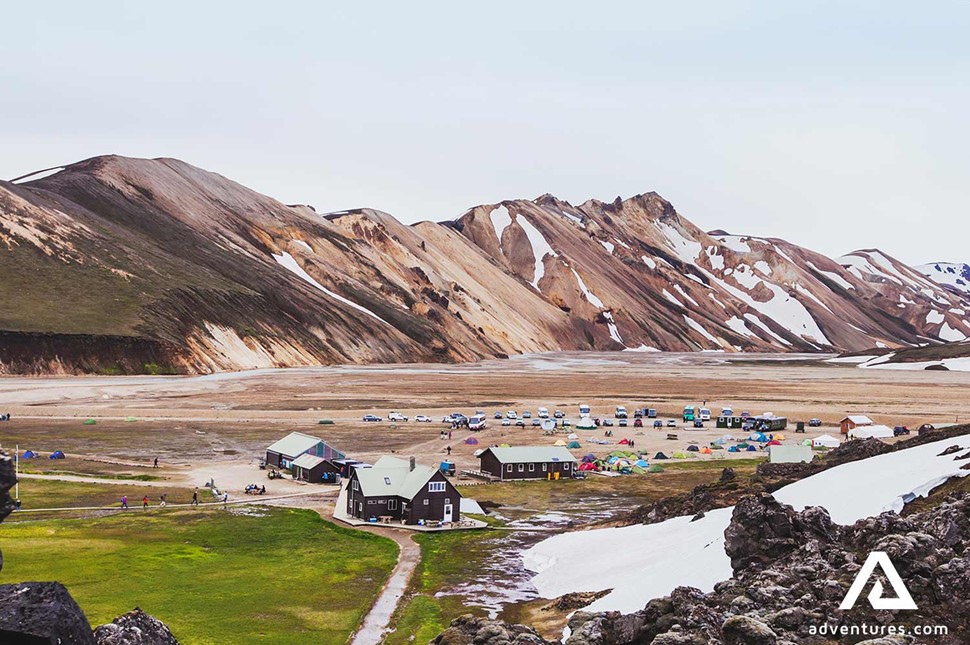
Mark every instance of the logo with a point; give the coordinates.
(903, 599)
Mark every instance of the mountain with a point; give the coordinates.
(120, 265)
(950, 274)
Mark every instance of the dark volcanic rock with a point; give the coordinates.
(134, 628)
(471, 630)
(42, 612)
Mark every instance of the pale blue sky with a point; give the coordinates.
(836, 125)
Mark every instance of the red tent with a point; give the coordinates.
(774, 443)
(624, 442)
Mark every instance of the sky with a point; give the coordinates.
(834, 125)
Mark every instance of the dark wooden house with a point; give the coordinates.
(528, 462)
(403, 492)
(284, 452)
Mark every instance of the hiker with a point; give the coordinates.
(449, 450)
(225, 500)
(124, 501)
(144, 501)
(262, 491)
(195, 497)
(156, 463)
(449, 435)
(162, 499)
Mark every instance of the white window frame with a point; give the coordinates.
(392, 504)
(356, 486)
(545, 468)
(532, 468)
(508, 468)
(521, 468)
(436, 487)
(566, 466)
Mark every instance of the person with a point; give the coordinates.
(156, 463)
(144, 501)
(449, 435)
(449, 450)
(225, 499)
(124, 501)
(195, 497)
(162, 499)
(262, 491)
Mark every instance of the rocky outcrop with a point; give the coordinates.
(44, 613)
(471, 630)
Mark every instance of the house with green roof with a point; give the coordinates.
(402, 491)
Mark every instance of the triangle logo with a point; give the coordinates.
(903, 599)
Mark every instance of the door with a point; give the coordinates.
(448, 513)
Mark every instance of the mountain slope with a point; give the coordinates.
(950, 274)
(119, 265)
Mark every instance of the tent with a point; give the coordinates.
(30, 454)
(693, 448)
(642, 464)
(779, 437)
(865, 432)
(751, 449)
(588, 458)
(573, 435)
(561, 443)
(705, 450)
(733, 449)
(574, 445)
(624, 442)
(758, 436)
(549, 424)
(656, 468)
(57, 454)
(774, 442)
(89, 422)
(585, 423)
(719, 442)
(471, 441)
(587, 466)
(743, 445)
(806, 442)
(825, 441)
(130, 419)
(726, 437)
(680, 455)
(660, 455)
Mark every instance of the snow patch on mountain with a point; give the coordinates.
(289, 263)
(951, 274)
(834, 277)
(540, 248)
(590, 297)
(609, 246)
(501, 218)
(684, 248)
(696, 326)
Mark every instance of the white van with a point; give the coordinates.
(583, 409)
(477, 422)
(620, 412)
(705, 414)
(543, 413)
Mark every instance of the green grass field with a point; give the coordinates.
(214, 577)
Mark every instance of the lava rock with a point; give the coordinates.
(42, 612)
(134, 628)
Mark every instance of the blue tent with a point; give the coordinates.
(57, 454)
(759, 436)
(751, 449)
(30, 454)
(693, 448)
(733, 449)
(642, 464)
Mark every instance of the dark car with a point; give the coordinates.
(371, 417)
(607, 422)
(658, 424)
(526, 415)
(638, 422)
(638, 413)
(745, 414)
(814, 423)
(900, 430)
(558, 414)
(520, 423)
(698, 423)
(497, 415)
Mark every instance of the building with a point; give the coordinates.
(284, 452)
(871, 431)
(313, 469)
(402, 491)
(528, 462)
(854, 421)
(790, 454)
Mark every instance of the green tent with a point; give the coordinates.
(656, 468)
(325, 422)
(130, 419)
(89, 422)
(680, 455)
(574, 444)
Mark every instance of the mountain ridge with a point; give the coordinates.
(209, 275)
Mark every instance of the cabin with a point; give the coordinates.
(528, 462)
(854, 421)
(402, 491)
(313, 469)
(287, 450)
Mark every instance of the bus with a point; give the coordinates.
(690, 413)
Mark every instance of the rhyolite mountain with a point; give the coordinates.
(121, 265)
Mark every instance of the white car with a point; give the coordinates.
(506, 422)
(422, 418)
(396, 416)
(511, 415)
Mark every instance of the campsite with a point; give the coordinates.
(217, 430)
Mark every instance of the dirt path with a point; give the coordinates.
(377, 622)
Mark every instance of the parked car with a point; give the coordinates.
(671, 423)
(745, 414)
(651, 413)
(511, 415)
(520, 423)
(607, 422)
(698, 423)
(658, 424)
(638, 413)
(622, 423)
(638, 422)
(497, 415)
(543, 413)
(537, 422)
(422, 418)
(526, 415)
(620, 412)
(900, 430)
(559, 414)
(396, 416)
(565, 423)
(814, 423)
(371, 417)
(477, 422)
(506, 422)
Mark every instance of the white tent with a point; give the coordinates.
(864, 432)
(825, 441)
(585, 424)
(573, 435)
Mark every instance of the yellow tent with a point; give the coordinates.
(779, 437)
(560, 443)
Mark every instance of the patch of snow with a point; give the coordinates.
(641, 348)
(609, 246)
(744, 276)
(716, 301)
(717, 261)
(849, 359)
(834, 277)
(501, 218)
(672, 299)
(289, 263)
(649, 262)
(590, 298)
(762, 266)
(686, 249)
(934, 317)
(696, 326)
(303, 244)
(621, 243)
(540, 248)
(614, 331)
(738, 325)
(950, 334)
(686, 295)
(736, 243)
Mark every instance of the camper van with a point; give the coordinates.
(543, 413)
(705, 414)
(584, 409)
(477, 422)
(651, 413)
(620, 412)
(690, 413)
(727, 412)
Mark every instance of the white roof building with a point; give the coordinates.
(865, 432)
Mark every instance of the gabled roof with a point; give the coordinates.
(308, 461)
(859, 419)
(531, 454)
(391, 476)
(295, 443)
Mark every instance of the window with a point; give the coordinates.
(392, 504)
(356, 486)
(532, 468)
(565, 466)
(521, 468)
(370, 501)
(545, 467)
(508, 468)
(447, 501)
(387, 480)
(426, 502)
(436, 487)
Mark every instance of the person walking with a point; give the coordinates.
(449, 435)
(163, 499)
(144, 502)
(449, 450)
(195, 497)
(124, 501)
(225, 500)
(156, 463)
